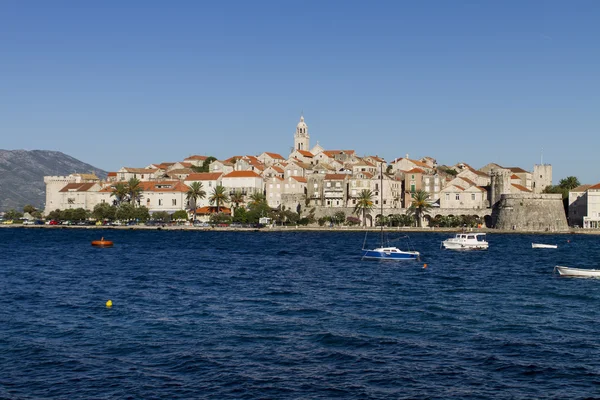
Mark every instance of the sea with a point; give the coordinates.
(293, 315)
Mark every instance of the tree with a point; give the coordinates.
(161, 216)
(420, 205)
(339, 217)
(570, 182)
(29, 209)
(364, 203)
(134, 190)
(256, 199)
(125, 212)
(237, 198)
(205, 165)
(13, 214)
(194, 193)
(104, 211)
(219, 196)
(120, 192)
(179, 215)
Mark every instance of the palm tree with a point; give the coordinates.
(420, 205)
(237, 198)
(364, 203)
(256, 199)
(194, 193)
(570, 182)
(120, 192)
(219, 196)
(134, 189)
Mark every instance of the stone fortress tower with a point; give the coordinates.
(542, 177)
(531, 211)
(55, 183)
(302, 138)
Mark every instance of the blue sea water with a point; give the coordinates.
(293, 315)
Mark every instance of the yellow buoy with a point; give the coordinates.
(109, 303)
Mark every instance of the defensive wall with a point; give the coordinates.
(530, 212)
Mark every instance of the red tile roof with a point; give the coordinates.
(521, 188)
(112, 174)
(212, 210)
(242, 174)
(305, 153)
(201, 158)
(595, 187)
(335, 177)
(203, 176)
(77, 187)
(415, 171)
(274, 155)
(299, 179)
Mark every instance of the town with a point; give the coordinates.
(314, 184)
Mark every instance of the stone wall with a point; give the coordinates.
(530, 212)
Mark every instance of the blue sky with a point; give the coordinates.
(129, 83)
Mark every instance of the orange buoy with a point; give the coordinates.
(102, 243)
(424, 265)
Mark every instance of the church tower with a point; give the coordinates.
(301, 138)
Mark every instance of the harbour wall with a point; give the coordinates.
(530, 212)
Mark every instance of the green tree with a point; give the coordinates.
(141, 214)
(420, 205)
(134, 190)
(339, 217)
(13, 214)
(194, 193)
(80, 214)
(179, 215)
(120, 192)
(219, 218)
(364, 204)
(241, 215)
(205, 165)
(56, 215)
(104, 211)
(125, 212)
(256, 199)
(570, 182)
(219, 197)
(237, 198)
(161, 216)
(29, 209)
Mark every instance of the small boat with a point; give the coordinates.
(385, 252)
(466, 241)
(543, 246)
(102, 243)
(578, 272)
(389, 253)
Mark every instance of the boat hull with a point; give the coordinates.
(543, 246)
(578, 272)
(390, 256)
(464, 246)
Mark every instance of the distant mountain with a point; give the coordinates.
(22, 175)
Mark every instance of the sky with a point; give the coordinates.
(130, 83)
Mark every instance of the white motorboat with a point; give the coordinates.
(543, 246)
(466, 241)
(578, 272)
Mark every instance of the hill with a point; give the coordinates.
(22, 175)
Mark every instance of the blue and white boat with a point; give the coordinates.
(386, 252)
(389, 253)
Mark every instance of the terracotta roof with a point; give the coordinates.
(334, 177)
(112, 174)
(77, 187)
(517, 170)
(140, 170)
(415, 171)
(212, 210)
(521, 187)
(481, 188)
(299, 178)
(583, 188)
(242, 174)
(278, 169)
(165, 165)
(230, 159)
(305, 153)
(201, 158)
(204, 176)
(186, 164)
(180, 171)
(595, 187)
(89, 177)
(513, 176)
(274, 155)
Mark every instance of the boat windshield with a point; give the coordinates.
(481, 238)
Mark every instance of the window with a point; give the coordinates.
(328, 184)
(427, 181)
(338, 184)
(354, 201)
(473, 196)
(447, 196)
(174, 201)
(412, 177)
(412, 188)
(160, 202)
(457, 196)
(353, 192)
(316, 186)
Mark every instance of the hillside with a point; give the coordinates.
(22, 175)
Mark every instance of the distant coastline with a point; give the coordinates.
(303, 229)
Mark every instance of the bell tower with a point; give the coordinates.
(301, 137)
